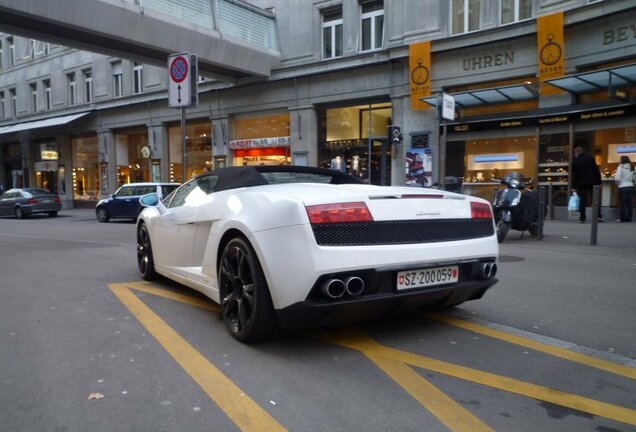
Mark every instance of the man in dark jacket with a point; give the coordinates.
(585, 175)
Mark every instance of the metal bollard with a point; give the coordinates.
(595, 211)
(541, 212)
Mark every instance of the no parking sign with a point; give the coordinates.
(182, 76)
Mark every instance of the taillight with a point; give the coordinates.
(32, 201)
(480, 210)
(56, 200)
(340, 212)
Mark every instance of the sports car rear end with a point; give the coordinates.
(366, 251)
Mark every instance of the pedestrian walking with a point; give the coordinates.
(585, 175)
(625, 181)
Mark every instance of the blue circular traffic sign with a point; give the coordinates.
(179, 69)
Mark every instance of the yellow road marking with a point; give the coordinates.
(182, 298)
(594, 362)
(394, 363)
(449, 412)
(240, 408)
(357, 340)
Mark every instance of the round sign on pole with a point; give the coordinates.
(179, 69)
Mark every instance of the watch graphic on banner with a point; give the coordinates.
(551, 52)
(419, 74)
(145, 152)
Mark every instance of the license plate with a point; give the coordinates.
(46, 200)
(427, 277)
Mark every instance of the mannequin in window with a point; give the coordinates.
(355, 165)
(338, 164)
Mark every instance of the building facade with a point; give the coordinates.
(82, 123)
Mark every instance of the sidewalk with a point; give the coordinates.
(613, 238)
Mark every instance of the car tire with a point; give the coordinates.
(247, 305)
(502, 230)
(52, 213)
(145, 261)
(19, 213)
(102, 214)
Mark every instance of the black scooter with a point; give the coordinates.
(516, 207)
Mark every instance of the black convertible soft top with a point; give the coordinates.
(247, 176)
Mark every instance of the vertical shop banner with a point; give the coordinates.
(550, 48)
(420, 74)
(419, 167)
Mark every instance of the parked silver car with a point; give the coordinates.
(25, 202)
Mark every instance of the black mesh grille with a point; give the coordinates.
(401, 232)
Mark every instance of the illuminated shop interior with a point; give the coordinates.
(198, 150)
(258, 127)
(85, 170)
(353, 138)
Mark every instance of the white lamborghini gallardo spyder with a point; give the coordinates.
(290, 246)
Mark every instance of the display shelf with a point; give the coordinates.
(554, 164)
(553, 174)
(553, 183)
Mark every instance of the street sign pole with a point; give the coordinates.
(182, 93)
(183, 145)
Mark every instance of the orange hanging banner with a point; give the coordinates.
(550, 48)
(420, 74)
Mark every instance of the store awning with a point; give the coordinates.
(496, 95)
(38, 124)
(589, 82)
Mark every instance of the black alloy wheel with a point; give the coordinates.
(19, 213)
(52, 213)
(245, 299)
(102, 214)
(145, 262)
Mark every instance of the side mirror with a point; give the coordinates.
(149, 200)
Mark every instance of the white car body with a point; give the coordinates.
(188, 240)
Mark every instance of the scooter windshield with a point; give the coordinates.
(509, 197)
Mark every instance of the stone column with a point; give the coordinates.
(220, 141)
(107, 162)
(159, 152)
(303, 129)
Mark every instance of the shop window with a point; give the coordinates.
(486, 161)
(465, 15)
(372, 25)
(554, 166)
(261, 140)
(85, 172)
(332, 33)
(133, 157)
(354, 140)
(515, 10)
(198, 150)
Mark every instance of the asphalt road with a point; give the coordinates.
(84, 345)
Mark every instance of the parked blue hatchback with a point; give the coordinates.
(125, 202)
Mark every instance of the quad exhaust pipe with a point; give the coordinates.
(337, 288)
(488, 270)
